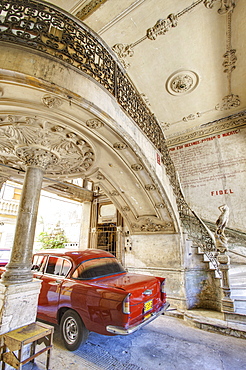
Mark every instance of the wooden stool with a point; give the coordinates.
(15, 340)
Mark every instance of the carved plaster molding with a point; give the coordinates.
(100, 176)
(150, 187)
(35, 155)
(94, 123)
(114, 193)
(123, 51)
(162, 26)
(160, 206)
(182, 82)
(89, 8)
(210, 128)
(136, 167)
(51, 101)
(152, 226)
(126, 209)
(191, 117)
(31, 141)
(228, 102)
(120, 146)
(226, 6)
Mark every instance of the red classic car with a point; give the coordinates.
(89, 290)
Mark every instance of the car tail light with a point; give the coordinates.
(163, 286)
(163, 293)
(126, 304)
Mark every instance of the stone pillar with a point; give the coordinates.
(93, 227)
(18, 270)
(85, 225)
(18, 290)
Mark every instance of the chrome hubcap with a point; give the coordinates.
(70, 330)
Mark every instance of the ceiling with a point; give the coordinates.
(189, 67)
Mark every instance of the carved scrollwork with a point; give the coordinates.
(191, 117)
(160, 206)
(114, 193)
(100, 176)
(123, 51)
(120, 146)
(137, 167)
(229, 101)
(226, 6)
(150, 187)
(36, 156)
(34, 142)
(126, 209)
(51, 101)
(162, 26)
(209, 3)
(94, 123)
(229, 61)
(151, 226)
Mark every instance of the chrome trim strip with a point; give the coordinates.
(123, 331)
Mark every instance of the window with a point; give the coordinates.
(98, 267)
(58, 266)
(38, 263)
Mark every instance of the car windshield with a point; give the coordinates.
(98, 267)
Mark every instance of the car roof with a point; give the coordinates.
(76, 255)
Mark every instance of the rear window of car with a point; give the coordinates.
(98, 267)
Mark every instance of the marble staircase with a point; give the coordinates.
(237, 276)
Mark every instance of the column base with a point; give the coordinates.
(18, 304)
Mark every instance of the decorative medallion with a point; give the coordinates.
(126, 209)
(100, 176)
(94, 123)
(160, 206)
(120, 146)
(51, 101)
(136, 167)
(114, 193)
(150, 187)
(182, 82)
(27, 141)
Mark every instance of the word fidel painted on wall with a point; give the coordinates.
(207, 161)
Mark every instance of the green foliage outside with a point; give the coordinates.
(54, 239)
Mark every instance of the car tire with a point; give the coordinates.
(73, 330)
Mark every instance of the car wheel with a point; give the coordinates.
(73, 330)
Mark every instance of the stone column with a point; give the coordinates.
(18, 291)
(85, 225)
(18, 270)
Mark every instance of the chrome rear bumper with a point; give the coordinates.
(132, 329)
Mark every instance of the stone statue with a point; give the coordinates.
(221, 223)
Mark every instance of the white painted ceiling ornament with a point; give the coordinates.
(136, 167)
(182, 82)
(120, 146)
(94, 123)
(51, 101)
(28, 141)
(150, 187)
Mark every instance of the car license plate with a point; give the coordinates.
(148, 306)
